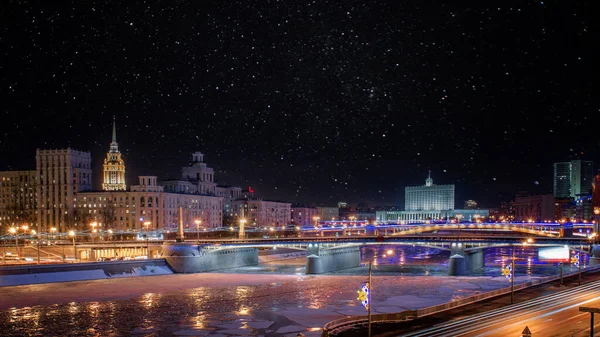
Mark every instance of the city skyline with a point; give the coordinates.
(298, 168)
(354, 109)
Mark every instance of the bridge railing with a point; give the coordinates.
(341, 324)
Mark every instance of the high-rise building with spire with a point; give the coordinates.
(114, 166)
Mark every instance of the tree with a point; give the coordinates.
(83, 216)
(108, 214)
(70, 221)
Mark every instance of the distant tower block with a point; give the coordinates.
(114, 166)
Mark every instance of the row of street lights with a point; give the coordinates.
(25, 228)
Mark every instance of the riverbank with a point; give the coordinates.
(50, 273)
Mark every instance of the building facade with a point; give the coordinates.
(58, 194)
(229, 194)
(429, 197)
(18, 199)
(61, 174)
(113, 169)
(147, 207)
(596, 194)
(198, 178)
(328, 213)
(304, 216)
(537, 208)
(409, 217)
(573, 178)
(262, 213)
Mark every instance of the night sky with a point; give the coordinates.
(307, 102)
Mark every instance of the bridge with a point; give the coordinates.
(327, 254)
(465, 242)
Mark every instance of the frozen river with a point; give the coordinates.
(245, 302)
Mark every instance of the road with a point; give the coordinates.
(550, 315)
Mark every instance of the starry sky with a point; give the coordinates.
(309, 102)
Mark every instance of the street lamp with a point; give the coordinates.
(458, 218)
(198, 222)
(52, 230)
(147, 224)
(512, 277)
(38, 244)
(512, 269)
(242, 233)
(72, 234)
(370, 295)
(93, 224)
(14, 231)
(4, 250)
(589, 237)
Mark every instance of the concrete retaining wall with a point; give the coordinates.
(333, 259)
(34, 274)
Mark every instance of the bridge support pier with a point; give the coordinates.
(595, 255)
(190, 258)
(464, 262)
(457, 265)
(475, 260)
(323, 261)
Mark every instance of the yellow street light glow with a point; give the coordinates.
(71, 233)
(12, 230)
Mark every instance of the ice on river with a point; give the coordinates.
(217, 304)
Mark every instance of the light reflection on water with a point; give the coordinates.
(422, 261)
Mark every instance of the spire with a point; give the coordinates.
(114, 139)
(114, 147)
(429, 181)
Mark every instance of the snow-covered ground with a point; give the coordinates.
(80, 275)
(218, 304)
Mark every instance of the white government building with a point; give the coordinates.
(429, 202)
